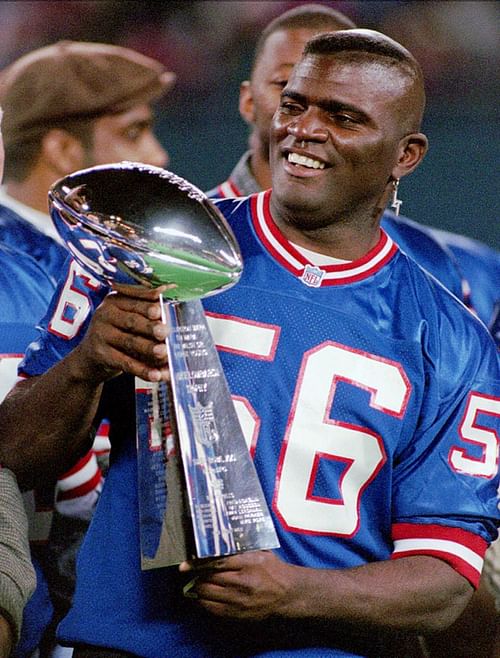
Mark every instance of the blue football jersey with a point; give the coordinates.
(370, 400)
(18, 233)
(25, 293)
(480, 265)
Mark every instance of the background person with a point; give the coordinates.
(25, 291)
(90, 103)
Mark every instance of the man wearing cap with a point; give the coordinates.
(68, 106)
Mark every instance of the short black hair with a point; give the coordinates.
(310, 16)
(359, 40)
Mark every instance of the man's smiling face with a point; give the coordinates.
(335, 138)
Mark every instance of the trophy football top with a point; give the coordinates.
(134, 223)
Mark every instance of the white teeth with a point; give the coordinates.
(295, 158)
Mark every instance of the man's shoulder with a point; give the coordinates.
(419, 243)
(22, 271)
(463, 243)
(443, 310)
(17, 230)
(412, 232)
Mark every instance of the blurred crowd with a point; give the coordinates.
(209, 45)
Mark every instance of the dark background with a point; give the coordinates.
(209, 45)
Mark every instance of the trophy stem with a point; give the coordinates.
(226, 502)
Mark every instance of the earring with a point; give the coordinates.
(395, 202)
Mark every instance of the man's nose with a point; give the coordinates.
(308, 127)
(157, 155)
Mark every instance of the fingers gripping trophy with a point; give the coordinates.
(199, 493)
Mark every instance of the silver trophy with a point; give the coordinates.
(199, 493)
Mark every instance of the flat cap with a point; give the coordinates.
(75, 79)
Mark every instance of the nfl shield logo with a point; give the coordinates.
(204, 422)
(312, 276)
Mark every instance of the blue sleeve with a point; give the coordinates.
(66, 321)
(451, 464)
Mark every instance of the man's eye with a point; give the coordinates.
(133, 133)
(289, 107)
(344, 119)
(279, 83)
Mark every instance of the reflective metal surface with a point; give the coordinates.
(131, 222)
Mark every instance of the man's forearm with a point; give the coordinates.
(46, 422)
(417, 594)
(421, 594)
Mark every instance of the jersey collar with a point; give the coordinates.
(312, 275)
(228, 189)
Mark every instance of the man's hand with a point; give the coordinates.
(253, 585)
(126, 334)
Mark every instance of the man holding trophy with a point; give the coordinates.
(360, 384)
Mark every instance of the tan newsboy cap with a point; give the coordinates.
(75, 79)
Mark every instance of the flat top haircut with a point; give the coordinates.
(308, 17)
(359, 45)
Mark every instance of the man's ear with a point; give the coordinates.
(62, 152)
(247, 111)
(412, 149)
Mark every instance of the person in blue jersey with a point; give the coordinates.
(278, 48)
(468, 268)
(25, 292)
(371, 395)
(89, 103)
(480, 264)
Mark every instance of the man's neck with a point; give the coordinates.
(347, 239)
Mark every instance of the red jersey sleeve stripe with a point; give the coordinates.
(462, 550)
(79, 480)
(82, 489)
(434, 531)
(80, 464)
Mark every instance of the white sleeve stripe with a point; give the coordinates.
(101, 444)
(441, 546)
(85, 474)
